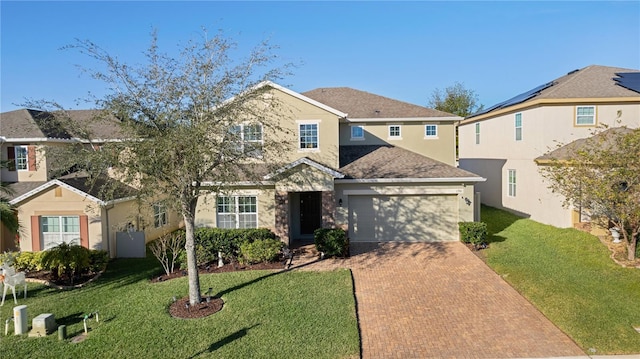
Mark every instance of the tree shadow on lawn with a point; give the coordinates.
(122, 272)
(224, 341)
(499, 220)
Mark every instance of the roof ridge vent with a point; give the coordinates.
(573, 72)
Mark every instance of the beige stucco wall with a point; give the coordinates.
(66, 203)
(40, 174)
(305, 178)
(543, 129)
(462, 191)
(295, 112)
(206, 207)
(441, 148)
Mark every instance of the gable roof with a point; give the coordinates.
(591, 82)
(75, 182)
(308, 162)
(386, 162)
(35, 125)
(566, 152)
(361, 104)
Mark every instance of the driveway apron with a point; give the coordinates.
(438, 300)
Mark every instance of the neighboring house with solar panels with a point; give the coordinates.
(503, 142)
(66, 209)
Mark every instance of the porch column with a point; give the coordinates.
(328, 209)
(282, 216)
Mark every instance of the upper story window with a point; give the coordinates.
(308, 136)
(512, 183)
(394, 131)
(21, 158)
(518, 126)
(159, 215)
(477, 133)
(237, 212)
(357, 133)
(431, 131)
(585, 115)
(249, 139)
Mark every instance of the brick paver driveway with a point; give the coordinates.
(438, 300)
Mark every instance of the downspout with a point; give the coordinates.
(106, 214)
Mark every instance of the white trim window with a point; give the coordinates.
(395, 132)
(512, 183)
(518, 126)
(585, 115)
(309, 137)
(59, 229)
(357, 133)
(159, 215)
(477, 133)
(249, 139)
(22, 158)
(430, 131)
(237, 212)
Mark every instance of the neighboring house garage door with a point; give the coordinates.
(379, 218)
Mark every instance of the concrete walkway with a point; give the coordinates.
(438, 300)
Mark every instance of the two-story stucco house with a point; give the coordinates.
(503, 142)
(381, 168)
(51, 211)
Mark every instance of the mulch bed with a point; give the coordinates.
(181, 308)
(213, 268)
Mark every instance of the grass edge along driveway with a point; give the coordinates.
(266, 315)
(569, 277)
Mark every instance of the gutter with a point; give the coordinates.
(413, 180)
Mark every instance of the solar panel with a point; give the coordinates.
(516, 99)
(628, 80)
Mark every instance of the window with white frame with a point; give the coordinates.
(518, 126)
(512, 183)
(394, 131)
(357, 133)
(477, 133)
(249, 140)
(430, 130)
(59, 229)
(159, 215)
(308, 135)
(585, 115)
(22, 158)
(237, 212)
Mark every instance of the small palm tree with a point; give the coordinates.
(7, 211)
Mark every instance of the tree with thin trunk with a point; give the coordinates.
(190, 124)
(455, 99)
(600, 177)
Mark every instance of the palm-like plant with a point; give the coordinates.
(7, 211)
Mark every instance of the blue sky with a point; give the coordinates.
(402, 50)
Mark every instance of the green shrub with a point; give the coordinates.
(98, 260)
(474, 233)
(331, 241)
(66, 260)
(29, 261)
(266, 250)
(9, 258)
(208, 241)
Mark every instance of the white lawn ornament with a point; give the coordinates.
(11, 279)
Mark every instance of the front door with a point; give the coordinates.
(310, 212)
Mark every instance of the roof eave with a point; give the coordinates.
(414, 180)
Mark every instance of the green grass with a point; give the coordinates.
(266, 315)
(568, 276)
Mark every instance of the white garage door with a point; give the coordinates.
(431, 218)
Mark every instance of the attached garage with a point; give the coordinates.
(384, 218)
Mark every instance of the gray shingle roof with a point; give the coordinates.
(361, 104)
(27, 123)
(603, 139)
(390, 162)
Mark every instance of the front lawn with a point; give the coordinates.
(568, 276)
(266, 315)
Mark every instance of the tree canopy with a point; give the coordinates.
(455, 99)
(600, 176)
(189, 124)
